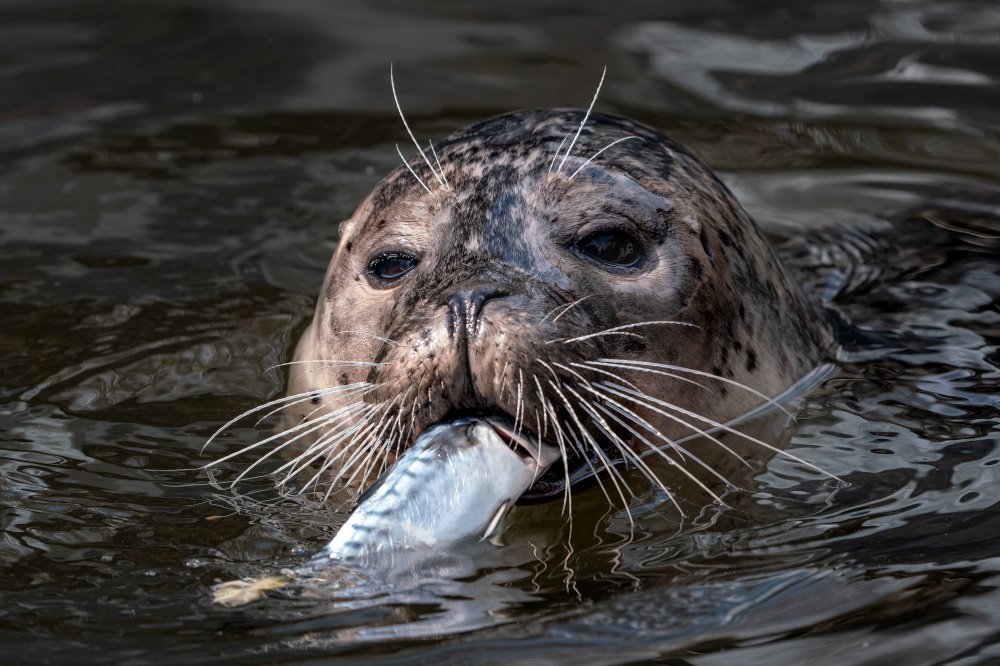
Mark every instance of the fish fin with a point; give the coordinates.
(494, 530)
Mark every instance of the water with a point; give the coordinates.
(170, 182)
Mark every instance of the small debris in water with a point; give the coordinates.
(235, 593)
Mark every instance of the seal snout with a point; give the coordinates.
(466, 307)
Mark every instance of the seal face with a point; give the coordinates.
(604, 300)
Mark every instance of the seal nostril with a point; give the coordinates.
(466, 306)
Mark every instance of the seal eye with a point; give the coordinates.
(614, 248)
(385, 269)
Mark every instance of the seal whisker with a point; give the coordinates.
(550, 413)
(655, 449)
(555, 156)
(271, 452)
(357, 387)
(623, 327)
(588, 365)
(586, 383)
(318, 449)
(344, 424)
(595, 471)
(357, 431)
(620, 444)
(376, 441)
(626, 334)
(316, 424)
(638, 420)
(358, 456)
(644, 399)
(595, 155)
(380, 338)
(519, 404)
(503, 377)
(309, 426)
(402, 116)
(329, 362)
(407, 165)
(280, 401)
(566, 308)
(584, 121)
(722, 426)
(683, 452)
(680, 368)
(438, 162)
(588, 438)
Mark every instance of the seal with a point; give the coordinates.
(581, 275)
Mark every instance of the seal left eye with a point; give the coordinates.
(385, 269)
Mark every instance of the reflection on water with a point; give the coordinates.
(171, 180)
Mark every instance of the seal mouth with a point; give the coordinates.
(556, 471)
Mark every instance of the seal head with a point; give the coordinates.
(593, 290)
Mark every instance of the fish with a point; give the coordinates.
(457, 482)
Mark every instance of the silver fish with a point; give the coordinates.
(458, 481)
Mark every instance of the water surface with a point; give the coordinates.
(171, 178)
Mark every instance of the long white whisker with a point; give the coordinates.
(563, 451)
(369, 334)
(679, 378)
(613, 473)
(288, 442)
(360, 429)
(328, 362)
(438, 162)
(625, 327)
(318, 449)
(295, 428)
(585, 118)
(266, 405)
(375, 438)
(357, 387)
(356, 453)
(558, 150)
(680, 368)
(722, 426)
(595, 155)
(645, 400)
(566, 308)
(670, 461)
(315, 450)
(407, 165)
(638, 420)
(622, 446)
(395, 97)
(519, 406)
(626, 452)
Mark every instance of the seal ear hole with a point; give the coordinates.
(707, 246)
(314, 400)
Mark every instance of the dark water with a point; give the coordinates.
(171, 175)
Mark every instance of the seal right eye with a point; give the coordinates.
(385, 269)
(612, 248)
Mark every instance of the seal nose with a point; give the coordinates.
(466, 306)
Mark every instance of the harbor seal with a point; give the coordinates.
(578, 274)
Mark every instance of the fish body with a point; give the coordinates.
(456, 482)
